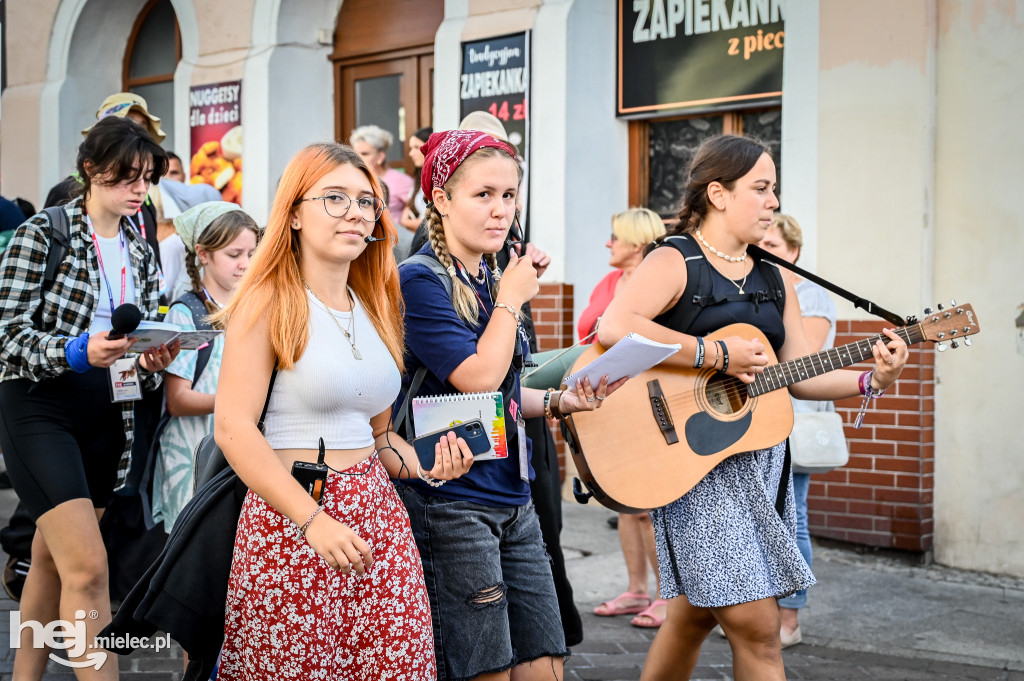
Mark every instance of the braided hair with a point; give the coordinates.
(463, 296)
(221, 232)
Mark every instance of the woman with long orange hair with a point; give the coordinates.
(328, 589)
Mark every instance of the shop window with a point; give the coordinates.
(154, 50)
(661, 151)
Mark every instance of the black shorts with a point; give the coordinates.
(62, 439)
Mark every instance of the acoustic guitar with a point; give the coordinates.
(659, 434)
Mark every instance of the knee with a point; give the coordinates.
(760, 642)
(87, 576)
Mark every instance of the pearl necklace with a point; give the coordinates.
(742, 258)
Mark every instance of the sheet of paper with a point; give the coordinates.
(632, 355)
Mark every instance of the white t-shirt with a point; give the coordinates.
(114, 257)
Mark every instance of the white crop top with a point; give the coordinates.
(329, 393)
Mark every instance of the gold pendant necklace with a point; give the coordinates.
(349, 336)
(741, 284)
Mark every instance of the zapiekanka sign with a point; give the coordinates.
(679, 55)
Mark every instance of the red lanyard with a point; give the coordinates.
(468, 279)
(103, 271)
(142, 224)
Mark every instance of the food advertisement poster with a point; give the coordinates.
(215, 118)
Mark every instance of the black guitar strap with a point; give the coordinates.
(857, 301)
(780, 496)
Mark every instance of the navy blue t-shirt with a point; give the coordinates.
(436, 337)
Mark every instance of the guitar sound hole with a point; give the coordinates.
(725, 394)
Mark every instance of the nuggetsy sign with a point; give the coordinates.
(679, 55)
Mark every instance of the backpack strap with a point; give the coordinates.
(697, 294)
(435, 266)
(199, 316)
(60, 244)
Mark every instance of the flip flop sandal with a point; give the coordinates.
(612, 608)
(652, 621)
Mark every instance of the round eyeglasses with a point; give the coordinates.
(337, 204)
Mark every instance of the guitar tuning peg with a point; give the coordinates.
(941, 347)
(940, 306)
(952, 302)
(927, 310)
(967, 341)
(955, 345)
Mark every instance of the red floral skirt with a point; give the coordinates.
(290, 615)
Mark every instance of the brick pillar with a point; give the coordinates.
(552, 316)
(883, 497)
(552, 310)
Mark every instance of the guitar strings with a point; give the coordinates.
(733, 389)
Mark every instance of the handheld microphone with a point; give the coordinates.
(370, 239)
(123, 321)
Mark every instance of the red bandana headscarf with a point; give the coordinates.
(445, 151)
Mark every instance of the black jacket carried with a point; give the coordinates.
(184, 592)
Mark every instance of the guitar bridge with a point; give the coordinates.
(661, 412)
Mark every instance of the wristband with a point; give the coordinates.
(698, 361)
(868, 392)
(76, 350)
(725, 355)
(554, 405)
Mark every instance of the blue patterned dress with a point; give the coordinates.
(723, 542)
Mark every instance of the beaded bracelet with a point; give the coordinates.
(506, 306)
(547, 403)
(427, 479)
(698, 361)
(305, 525)
(725, 355)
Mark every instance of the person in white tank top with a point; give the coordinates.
(339, 583)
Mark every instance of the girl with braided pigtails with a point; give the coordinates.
(220, 239)
(483, 557)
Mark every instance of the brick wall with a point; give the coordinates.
(552, 316)
(552, 310)
(883, 497)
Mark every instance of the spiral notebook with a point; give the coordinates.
(441, 411)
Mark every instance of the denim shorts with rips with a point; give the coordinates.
(488, 575)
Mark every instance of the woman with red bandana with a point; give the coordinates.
(488, 577)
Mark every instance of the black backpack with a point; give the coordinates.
(60, 243)
(698, 293)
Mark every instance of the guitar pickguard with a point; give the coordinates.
(707, 435)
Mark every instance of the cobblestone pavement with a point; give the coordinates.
(949, 617)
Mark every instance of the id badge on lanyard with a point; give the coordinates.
(123, 375)
(124, 381)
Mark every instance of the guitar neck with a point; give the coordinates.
(781, 375)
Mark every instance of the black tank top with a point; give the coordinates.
(765, 316)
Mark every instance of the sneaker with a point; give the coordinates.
(792, 638)
(14, 576)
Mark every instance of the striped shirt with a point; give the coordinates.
(68, 307)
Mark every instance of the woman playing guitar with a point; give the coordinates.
(724, 552)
